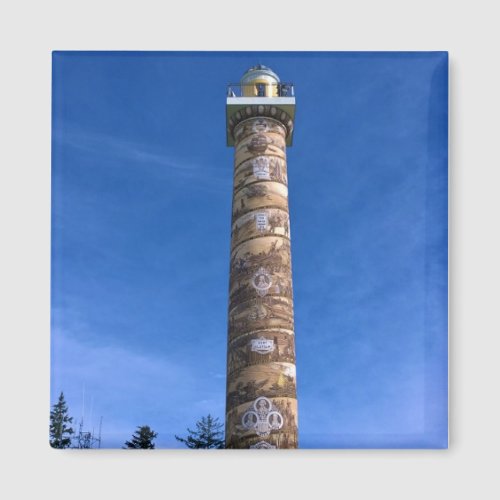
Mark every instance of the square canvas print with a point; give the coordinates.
(249, 250)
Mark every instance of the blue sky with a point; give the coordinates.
(141, 202)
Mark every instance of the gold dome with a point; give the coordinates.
(260, 81)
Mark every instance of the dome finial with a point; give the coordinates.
(259, 71)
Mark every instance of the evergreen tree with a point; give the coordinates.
(142, 439)
(208, 434)
(59, 430)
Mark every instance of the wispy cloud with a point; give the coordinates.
(127, 388)
(108, 146)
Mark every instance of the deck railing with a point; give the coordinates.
(260, 90)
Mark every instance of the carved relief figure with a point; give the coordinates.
(260, 195)
(271, 311)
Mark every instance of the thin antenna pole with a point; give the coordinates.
(91, 410)
(83, 402)
(100, 427)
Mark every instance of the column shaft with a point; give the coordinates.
(261, 406)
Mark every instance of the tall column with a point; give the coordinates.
(261, 406)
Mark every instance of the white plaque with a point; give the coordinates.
(261, 221)
(261, 167)
(262, 345)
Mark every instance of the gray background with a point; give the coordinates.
(30, 30)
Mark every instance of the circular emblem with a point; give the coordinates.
(263, 417)
(261, 281)
(275, 420)
(262, 406)
(249, 419)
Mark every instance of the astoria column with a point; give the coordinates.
(261, 403)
